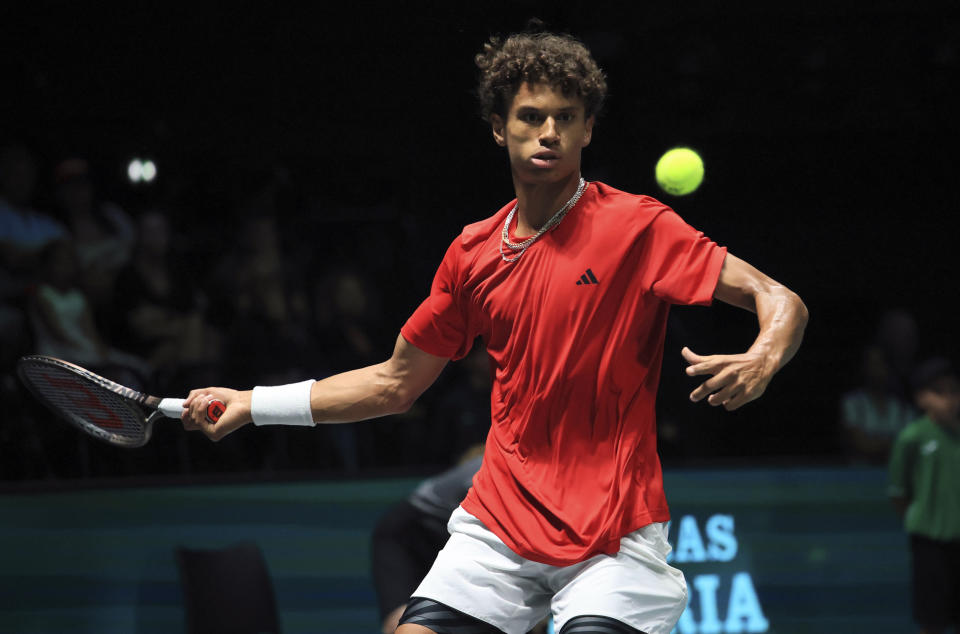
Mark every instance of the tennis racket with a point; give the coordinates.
(106, 410)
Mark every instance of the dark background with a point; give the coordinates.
(828, 131)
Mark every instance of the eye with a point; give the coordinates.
(565, 116)
(530, 117)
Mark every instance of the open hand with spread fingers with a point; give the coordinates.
(736, 379)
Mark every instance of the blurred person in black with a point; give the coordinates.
(103, 233)
(898, 336)
(347, 313)
(268, 308)
(409, 535)
(257, 291)
(460, 417)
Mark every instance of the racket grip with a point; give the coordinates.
(171, 407)
(215, 410)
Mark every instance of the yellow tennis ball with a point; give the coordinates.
(680, 171)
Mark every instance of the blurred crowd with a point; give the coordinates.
(165, 296)
(882, 400)
(155, 300)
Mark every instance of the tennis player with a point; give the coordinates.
(569, 287)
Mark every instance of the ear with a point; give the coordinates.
(497, 126)
(588, 130)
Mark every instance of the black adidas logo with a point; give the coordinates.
(588, 278)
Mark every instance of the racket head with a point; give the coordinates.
(103, 409)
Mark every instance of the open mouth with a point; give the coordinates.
(545, 159)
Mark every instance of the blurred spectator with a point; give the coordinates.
(409, 535)
(925, 488)
(897, 336)
(63, 323)
(264, 313)
(348, 318)
(462, 414)
(349, 332)
(24, 232)
(103, 234)
(159, 310)
(158, 313)
(871, 415)
(268, 326)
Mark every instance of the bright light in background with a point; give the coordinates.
(149, 171)
(141, 171)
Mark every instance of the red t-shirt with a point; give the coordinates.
(575, 332)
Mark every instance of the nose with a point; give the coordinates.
(548, 132)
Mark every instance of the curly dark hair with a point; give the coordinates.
(557, 59)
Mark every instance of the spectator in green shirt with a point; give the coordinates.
(925, 488)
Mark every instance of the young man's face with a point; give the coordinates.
(941, 401)
(544, 132)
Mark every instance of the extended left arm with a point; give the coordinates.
(738, 379)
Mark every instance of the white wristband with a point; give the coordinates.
(282, 404)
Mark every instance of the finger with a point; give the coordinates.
(724, 396)
(191, 396)
(731, 388)
(708, 366)
(746, 396)
(710, 386)
(700, 365)
(186, 417)
(690, 356)
(197, 407)
(738, 400)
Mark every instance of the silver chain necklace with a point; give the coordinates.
(521, 247)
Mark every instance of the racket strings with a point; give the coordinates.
(87, 403)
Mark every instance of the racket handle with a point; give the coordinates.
(215, 410)
(173, 408)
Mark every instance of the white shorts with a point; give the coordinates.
(477, 574)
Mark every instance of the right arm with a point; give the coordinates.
(385, 388)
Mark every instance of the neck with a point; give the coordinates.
(538, 202)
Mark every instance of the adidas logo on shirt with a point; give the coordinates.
(588, 278)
